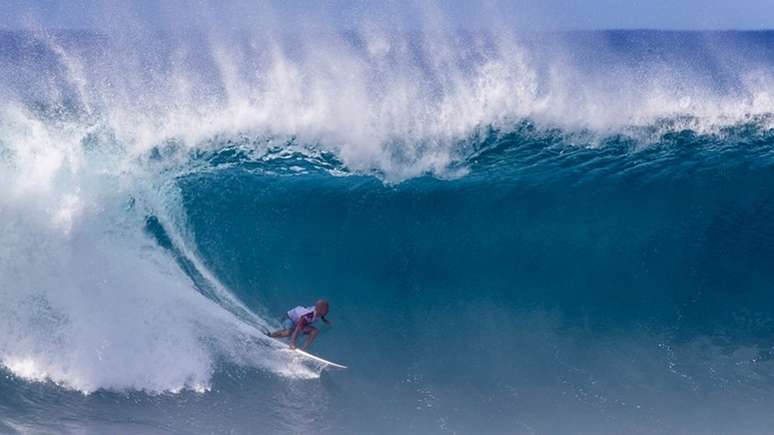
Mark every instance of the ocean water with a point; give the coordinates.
(529, 233)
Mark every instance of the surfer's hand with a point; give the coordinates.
(292, 346)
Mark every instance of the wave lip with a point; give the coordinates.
(397, 103)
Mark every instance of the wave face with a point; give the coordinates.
(510, 228)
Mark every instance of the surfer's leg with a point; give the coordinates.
(311, 332)
(287, 328)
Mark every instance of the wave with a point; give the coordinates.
(101, 276)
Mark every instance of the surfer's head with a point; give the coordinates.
(321, 307)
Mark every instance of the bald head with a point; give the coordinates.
(321, 307)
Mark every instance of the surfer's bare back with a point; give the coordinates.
(299, 320)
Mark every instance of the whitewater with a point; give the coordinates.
(518, 232)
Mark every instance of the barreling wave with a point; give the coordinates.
(101, 280)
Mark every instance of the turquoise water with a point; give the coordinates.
(502, 252)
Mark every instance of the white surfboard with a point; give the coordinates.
(309, 355)
(316, 358)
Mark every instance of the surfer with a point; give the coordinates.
(299, 320)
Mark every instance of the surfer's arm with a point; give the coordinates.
(299, 327)
(327, 322)
(294, 335)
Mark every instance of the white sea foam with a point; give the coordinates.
(89, 301)
(401, 104)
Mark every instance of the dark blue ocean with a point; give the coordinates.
(518, 233)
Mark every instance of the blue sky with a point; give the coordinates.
(518, 14)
